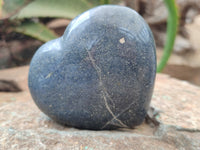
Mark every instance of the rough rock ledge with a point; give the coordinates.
(173, 124)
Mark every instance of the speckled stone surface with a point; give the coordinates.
(99, 74)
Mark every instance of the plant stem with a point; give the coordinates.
(172, 25)
(105, 2)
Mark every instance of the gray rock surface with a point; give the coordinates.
(24, 126)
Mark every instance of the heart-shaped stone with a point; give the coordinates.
(100, 74)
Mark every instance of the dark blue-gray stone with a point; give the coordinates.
(100, 74)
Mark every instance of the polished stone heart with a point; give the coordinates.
(100, 74)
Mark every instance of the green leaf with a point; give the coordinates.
(11, 7)
(36, 30)
(54, 8)
(94, 2)
(105, 2)
(172, 28)
(1, 4)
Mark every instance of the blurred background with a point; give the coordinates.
(26, 24)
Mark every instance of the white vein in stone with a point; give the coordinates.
(118, 115)
(104, 91)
